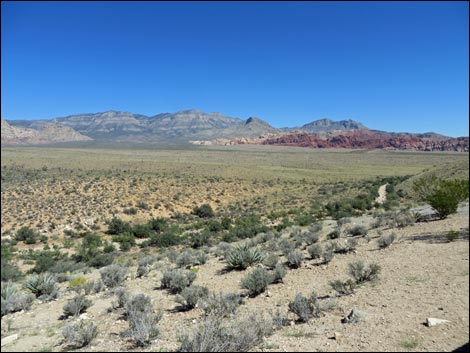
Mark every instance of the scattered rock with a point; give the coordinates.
(353, 317)
(9, 339)
(430, 321)
(338, 337)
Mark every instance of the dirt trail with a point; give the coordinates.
(382, 194)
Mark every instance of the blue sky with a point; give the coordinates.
(395, 66)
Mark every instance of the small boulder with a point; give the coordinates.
(9, 339)
(430, 321)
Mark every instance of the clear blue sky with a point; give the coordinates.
(398, 66)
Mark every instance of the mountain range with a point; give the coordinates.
(198, 127)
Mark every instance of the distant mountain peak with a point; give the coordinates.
(327, 125)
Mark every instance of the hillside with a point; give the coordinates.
(42, 133)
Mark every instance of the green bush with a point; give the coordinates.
(306, 308)
(26, 234)
(204, 211)
(343, 287)
(118, 226)
(221, 305)
(126, 241)
(443, 195)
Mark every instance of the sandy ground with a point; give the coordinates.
(422, 276)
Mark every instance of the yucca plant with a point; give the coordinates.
(13, 300)
(243, 256)
(42, 285)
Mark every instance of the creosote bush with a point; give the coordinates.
(358, 230)
(278, 273)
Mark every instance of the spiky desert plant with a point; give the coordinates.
(243, 256)
(42, 285)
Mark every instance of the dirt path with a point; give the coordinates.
(382, 194)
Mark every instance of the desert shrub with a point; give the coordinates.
(130, 211)
(158, 224)
(126, 241)
(362, 272)
(204, 211)
(286, 246)
(144, 265)
(452, 235)
(108, 247)
(347, 247)
(238, 336)
(191, 295)
(142, 231)
(176, 280)
(94, 286)
(143, 205)
(328, 253)
(257, 281)
(9, 269)
(76, 305)
(89, 247)
(305, 308)
(27, 235)
(113, 275)
(13, 300)
(304, 219)
(79, 334)
(335, 234)
(221, 305)
(311, 238)
(343, 221)
(243, 256)
(77, 284)
(343, 287)
(118, 226)
(357, 230)
(201, 257)
(122, 296)
(315, 251)
(43, 285)
(295, 258)
(200, 239)
(142, 320)
(101, 260)
(271, 261)
(168, 237)
(186, 259)
(278, 273)
(245, 227)
(46, 260)
(443, 195)
(386, 240)
(279, 319)
(353, 317)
